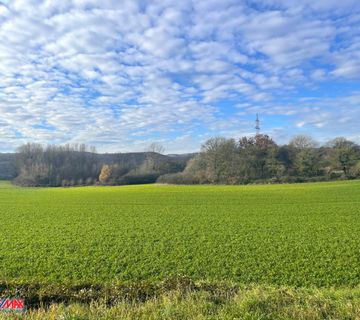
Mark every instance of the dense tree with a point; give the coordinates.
(221, 161)
(344, 153)
(258, 156)
(307, 162)
(220, 156)
(260, 159)
(56, 165)
(306, 156)
(78, 164)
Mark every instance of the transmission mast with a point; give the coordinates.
(257, 125)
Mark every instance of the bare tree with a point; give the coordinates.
(156, 147)
(303, 142)
(52, 165)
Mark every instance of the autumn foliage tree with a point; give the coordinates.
(105, 174)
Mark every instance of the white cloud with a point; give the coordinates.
(118, 73)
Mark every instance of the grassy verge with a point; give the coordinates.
(181, 298)
(256, 302)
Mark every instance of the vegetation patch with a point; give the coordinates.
(164, 248)
(296, 235)
(256, 302)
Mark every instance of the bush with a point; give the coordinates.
(336, 174)
(177, 178)
(142, 178)
(355, 171)
(89, 181)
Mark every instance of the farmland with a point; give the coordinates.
(299, 236)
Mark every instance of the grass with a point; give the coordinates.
(300, 236)
(252, 303)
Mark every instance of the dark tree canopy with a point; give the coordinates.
(257, 159)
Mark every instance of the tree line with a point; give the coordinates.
(260, 160)
(257, 159)
(52, 165)
(78, 164)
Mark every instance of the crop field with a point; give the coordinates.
(293, 249)
(301, 235)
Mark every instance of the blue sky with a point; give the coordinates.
(120, 75)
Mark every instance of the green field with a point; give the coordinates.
(183, 252)
(301, 235)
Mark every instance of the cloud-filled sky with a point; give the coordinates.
(119, 75)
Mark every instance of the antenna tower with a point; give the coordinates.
(257, 125)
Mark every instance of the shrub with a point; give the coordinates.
(177, 178)
(140, 178)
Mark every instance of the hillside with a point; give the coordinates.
(8, 168)
(137, 158)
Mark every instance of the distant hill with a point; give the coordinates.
(137, 158)
(8, 168)
(182, 157)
